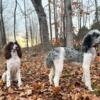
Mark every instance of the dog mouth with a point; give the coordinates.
(14, 50)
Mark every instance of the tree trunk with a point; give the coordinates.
(30, 27)
(68, 13)
(64, 26)
(50, 20)
(96, 13)
(26, 24)
(15, 20)
(55, 19)
(2, 27)
(87, 12)
(42, 23)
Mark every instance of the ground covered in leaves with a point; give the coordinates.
(36, 86)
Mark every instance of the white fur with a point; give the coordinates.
(56, 71)
(88, 58)
(13, 70)
(95, 30)
(58, 63)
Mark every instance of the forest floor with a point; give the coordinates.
(36, 85)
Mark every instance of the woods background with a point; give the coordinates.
(47, 22)
(40, 25)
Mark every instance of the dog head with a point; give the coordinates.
(90, 39)
(12, 48)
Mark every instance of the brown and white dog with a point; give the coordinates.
(13, 56)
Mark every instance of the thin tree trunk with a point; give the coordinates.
(61, 16)
(86, 14)
(79, 16)
(2, 27)
(96, 13)
(64, 22)
(0, 24)
(50, 20)
(15, 20)
(31, 31)
(55, 19)
(26, 24)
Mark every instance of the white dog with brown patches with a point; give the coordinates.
(55, 58)
(13, 56)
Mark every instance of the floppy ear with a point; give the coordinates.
(87, 43)
(19, 52)
(7, 50)
(16, 42)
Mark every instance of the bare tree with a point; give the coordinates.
(31, 33)
(49, 1)
(15, 20)
(26, 23)
(2, 27)
(68, 24)
(55, 18)
(96, 13)
(64, 22)
(42, 23)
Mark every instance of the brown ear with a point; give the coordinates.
(19, 52)
(7, 51)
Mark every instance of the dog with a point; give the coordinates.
(12, 54)
(85, 57)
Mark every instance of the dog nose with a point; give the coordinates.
(14, 50)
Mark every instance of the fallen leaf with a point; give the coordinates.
(28, 92)
(36, 86)
(34, 97)
(2, 98)
(2, 93)
(10, 90)
(22, 94)
(56, 90)
(39, 98)
(1, 83)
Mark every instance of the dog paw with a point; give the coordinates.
(8, 84)
(20, 84)
(90, 89)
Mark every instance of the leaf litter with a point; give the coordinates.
(36, 85)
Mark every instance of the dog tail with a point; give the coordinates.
(49, 60)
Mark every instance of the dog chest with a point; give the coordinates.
(13, 63)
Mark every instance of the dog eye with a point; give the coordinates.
(17, 48)
(97, 35)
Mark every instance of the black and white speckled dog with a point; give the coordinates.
(55, 58)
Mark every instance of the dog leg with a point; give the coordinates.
(87, 78)
(86, 70)
(83, 78)
(58, 63)
(8, 83)
(19, 78)
(51, 75)
(4, 77)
